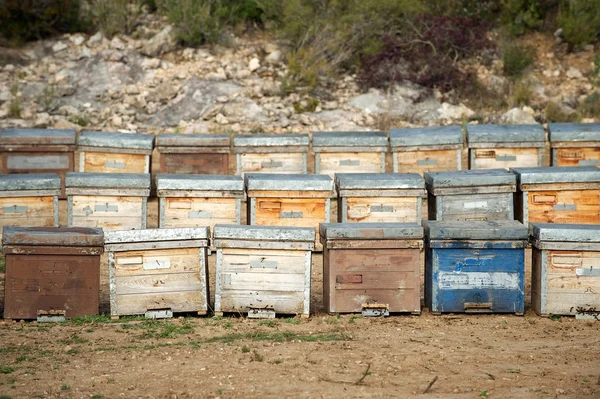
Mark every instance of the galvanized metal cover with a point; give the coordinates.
(475, 230)
(574, 131)
(565, 232)
(470, 178)
(90, 138)
(375, 181)
(370, 231)
(152, 235)
(193, 140)
(292, 182)
(199, 182)
(53, 236)
(35, 181)
(421, 136)
(107, 180)
(263, 233)
(533, 133)
(38, 136)
(350, 139)
(558, 174)
(271, 140)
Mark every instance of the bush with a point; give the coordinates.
(556, 113)
(516, 59)
(580, 21)
(520, 93)
(520, 16)
(591, 106)
(32, 20)
(116, 16)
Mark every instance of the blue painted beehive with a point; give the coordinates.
(475, 266)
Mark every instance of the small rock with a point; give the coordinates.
(151, 63)
(274, 57)
(117, 121)
(243, 74)
(77, 40)
(59, 46)
(450, 111)
(9, 67)
(221, 120)
(42, 120)
(117, 44)
(132, 90)
(218, 75)
(254, 64)
(574, 73)
(559, 33)
(588, 47)
(64, 124)
(547, 73)
(5, 95)
(95, 40)
(270, 47)
(517, 116)
(163, 42)
(556, 73)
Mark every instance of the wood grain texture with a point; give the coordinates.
(107, 162)
(128, 214)
(292, 162)
(202, 163)
(472, 207)
(330, 163)
(428, 161)
(564, 206)
(27, 211)
(197, 212)
(493, 158)
(576, 156)
(382, 209)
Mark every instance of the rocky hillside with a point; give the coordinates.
(151, 84)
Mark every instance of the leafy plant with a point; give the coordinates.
(116, 16)
(522, 15)
(516, 59)
(591, 105)
(580, 21)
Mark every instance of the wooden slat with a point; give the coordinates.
(272, 163)
(106, 162)
(485, 158)
(578, 206)
(374, 244)
(211, 163)
(27, 211)
(265, 281)
(282, 301)
(428, 161)
(477, 207)
(178, 210)
(241, 260)
(289, 194)
(131, 263)
(560, 186)
(191, 301)
(374, 260)
(567, 262)
(370, 280)
(351, 301)
(382, 209)
(157, 283)
(573, 156)
(128, 214)
(347, 162)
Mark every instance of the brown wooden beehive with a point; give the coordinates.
(193, 153)
(575, 144)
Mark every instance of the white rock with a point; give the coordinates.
(117, 44)
(42, 120)
(574, 73)
(132, 90)
(59, 46)
(547, 73)
(163, 42)
(9, 67)
(5, 95)
(556, 73)
(95, 40)
(243, 74)
(116, 121)
(77, 40)
(221, 120)
(274, 57)
(254, 64)
(517, 116)
(450, 111)
(151, 63)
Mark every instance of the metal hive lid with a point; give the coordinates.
(271, 140)
(38, 136)
(36, 181)
(565, 232)
(107, 180)
(419, 136)
(374, 181)
(292, 182)
(53, 236)
(558, 174)
(350, 139)
(91, 138)
(150, 235)
(263, 233)
(574, 131)
(475, 230)
(193, 140)
(505, 133)
(370, 231)
(199, 182)
(470, 178)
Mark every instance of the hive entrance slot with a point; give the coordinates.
(261, 313)
(51, 316)
(375, 309)
(159, 314)
(478, 307)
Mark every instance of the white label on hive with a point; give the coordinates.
(37, 162)
(157, 264)
(475, 205)
(478, 280)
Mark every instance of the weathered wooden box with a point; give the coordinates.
(29, 200)
(158, 272)
(575, 144)
(51, 273)
(109, 152)
(193, 153)
(271, 153)
(199, 200)
(348, 152)
(38, 151)
(379, 197)
(427, 149)
(505, 146)
(475, 266)
(113, 201)
(289, 200)
(471, 195)
(371, 265)
(566, 270)
(263, 270)
(558, 195)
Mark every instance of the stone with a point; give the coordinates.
(165, 91)
(254, 64)
(59, 46)
(116, 121)
(454, 112)
(369, 102)
(221, 120)
(5, 95)
(77, 40)
(161, 43)
(65, 124)
(151, 63)
(132, 90)
(218, 75)
(95, 40)
(42, 120)
(574, 73)
(517, 116)
(117, 44)
(273, 57)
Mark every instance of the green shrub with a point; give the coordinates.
(520, 16)
(520, 93)
(195, 20)
(580, 21)
(516, 59)
(591, 106)
(116, 16)
(556, 113)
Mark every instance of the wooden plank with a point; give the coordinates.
(369, 280)
(572, 284)
(349, 162)
(560, 186)
(382, 209)
(493, 158)
(157, 283)
(428, 161)
(289, 194)
(190, 301)
(374, 260)
(475, 207)
(399, 300)
(196, 212)
(106, 162)
(27, 211)
(578, 156)
(441, 191)
(375, 244)
(210, 163)
(241, 281)
(135, 263)
(281, 301)
(260, 261)
(292, 162)
(107, 212)
(572, 206)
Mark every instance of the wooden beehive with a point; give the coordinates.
(427, 149)
(110, 152)
(379, 197)
(505, 146)
(158, 272)
(372, 264)
(349, 152)
(263, 270)
(29, 200)
(471, 195)
(475, 266)
(575, 144)
(51, 272)
(206, 154)
(558, 195)
(38, 151)
(566, 270)
(289, 200)
(199, 200)
(113, 201)
(271, 153)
